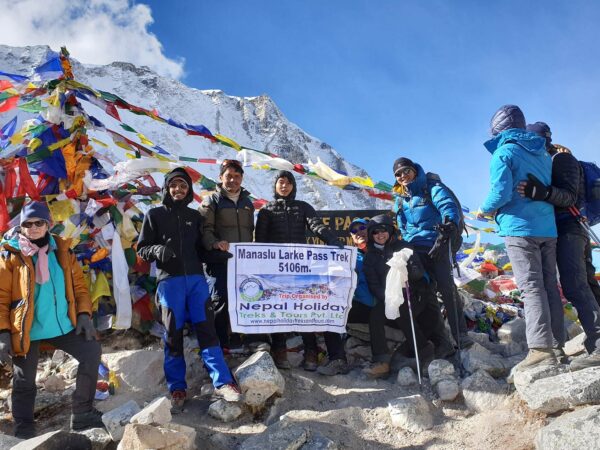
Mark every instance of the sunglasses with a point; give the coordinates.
(357, 228)
(375, 232)
(403, 171)
(37, 223)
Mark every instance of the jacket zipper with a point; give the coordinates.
(237, 212)
(27, 302)
(287, 220)
(181, 242)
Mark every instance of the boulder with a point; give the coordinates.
(99, 438)
(576, 430)
(411, 413)
(352, 342)
(224, 411)
(54, 383)
(127, 364)
(510, 349)
(283, 435)
(158, 412)
(564, 391)
(447, 389)
(406, 377)
(482, 392)
(115, 420)
(361, 331)
(512, 331)
(575, 346)
(56, 440)
(259, 379)
(483, 339)
(440, 369)
(141, 437)
(317, 441)
(478, 357)
(303, 383)
(207, 390)
(525, 377)
(57, 358)
(7, 442)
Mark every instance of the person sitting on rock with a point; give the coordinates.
(285, 221)
(382, 244)
(43, 297)
(171, 236)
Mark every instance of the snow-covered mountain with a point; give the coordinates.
(254, 122)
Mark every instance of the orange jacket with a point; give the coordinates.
(17, 287)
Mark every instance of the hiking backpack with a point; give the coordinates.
(433, 179)
(591, 207)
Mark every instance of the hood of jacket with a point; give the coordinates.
(527, 140)
(178, 172)
(382, 220)
(287, 174)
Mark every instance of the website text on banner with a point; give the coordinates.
(290, 287)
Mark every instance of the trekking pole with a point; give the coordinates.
(582, 220)
(412, 326)
(460, 366)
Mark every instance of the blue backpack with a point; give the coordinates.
(591, 208)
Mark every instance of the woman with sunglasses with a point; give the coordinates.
(43, 297)
(421, 210)
(285, 221)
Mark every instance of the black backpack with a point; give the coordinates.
(433, 179)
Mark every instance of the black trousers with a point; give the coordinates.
(25, 367)
(218, 295)
(591, 271)
(375, 317)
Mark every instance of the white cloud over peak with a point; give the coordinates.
(94, 31)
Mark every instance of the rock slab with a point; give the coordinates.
(99, 438)
(259, 379)
(406, 377)
(56, 440)
(282, 435)
(411, 413)
(142, 437)
(440, 369)
(158, 412)
(482, 392)
(224, 411)
(564, 391)
(478, 357)
(576, 430)
(513, 331)
(116, 420)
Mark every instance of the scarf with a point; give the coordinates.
(28, 248)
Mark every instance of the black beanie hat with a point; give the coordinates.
(542, 129)
(401, 163)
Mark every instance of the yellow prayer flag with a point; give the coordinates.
(61, 210)
(228, 142)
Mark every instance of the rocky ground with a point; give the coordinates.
(298, 409)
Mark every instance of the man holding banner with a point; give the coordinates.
(317, 301)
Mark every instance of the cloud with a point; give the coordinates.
(94, 31)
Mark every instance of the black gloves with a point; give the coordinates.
(534, 189)
(162, 253)
(440, 246)
(337, 243)
(85, 325)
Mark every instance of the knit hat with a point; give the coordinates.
(178, 172)
(35, 210)
(542, 129)
(507, 117)
(401, 163)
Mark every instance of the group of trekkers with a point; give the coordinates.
(534, 188)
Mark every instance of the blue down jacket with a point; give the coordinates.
(421, 207)
(515, 153)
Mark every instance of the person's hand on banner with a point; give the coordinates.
(221, 245)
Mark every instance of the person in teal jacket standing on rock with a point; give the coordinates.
(528, 228)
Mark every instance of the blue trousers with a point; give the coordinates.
(185, 299)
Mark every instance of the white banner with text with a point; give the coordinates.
(290, 287)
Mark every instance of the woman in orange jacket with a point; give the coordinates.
(43, 297)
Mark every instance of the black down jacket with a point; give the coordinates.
(374, 263)
(285, 220)
(568, 189)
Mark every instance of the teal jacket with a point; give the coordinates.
(515, 153)
(50, 312)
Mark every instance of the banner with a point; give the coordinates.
(276, 288)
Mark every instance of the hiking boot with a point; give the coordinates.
(537, 356)
(337, 366)
(259, 346)
(592, 360)
(560, 355)
(281, 359)
(177, 401)
(25, 430)
(229, 392)
(377, 370)
(89, 419)
(310, 360)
